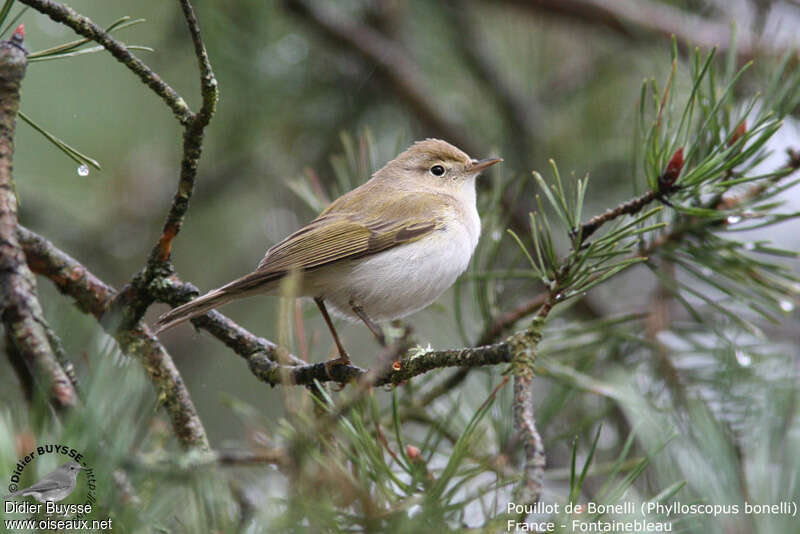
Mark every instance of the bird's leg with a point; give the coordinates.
(375, 329)
(343, 359)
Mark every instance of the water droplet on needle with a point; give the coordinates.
(743, 359)
(83, 170)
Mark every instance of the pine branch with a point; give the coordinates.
(94, 296)
(683, 227)
(22, 313)
(524, 347)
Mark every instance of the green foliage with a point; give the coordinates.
(78, 47)
(704, 190)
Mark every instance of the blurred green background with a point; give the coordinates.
(288, 95)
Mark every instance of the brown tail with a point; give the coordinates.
(251, 284)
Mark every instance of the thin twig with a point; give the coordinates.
(507, 319)
(687, 225)
(192, 141)
(627, 208)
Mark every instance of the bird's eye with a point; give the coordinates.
(437, 170)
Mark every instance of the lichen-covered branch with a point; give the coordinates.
(22, 313)
(523, 347)
(192, 140)
(194, 128)
(414, 363)
(172, 392)
(94, 296)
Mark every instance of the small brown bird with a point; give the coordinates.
(382, 251)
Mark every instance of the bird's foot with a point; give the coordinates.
(330, 365)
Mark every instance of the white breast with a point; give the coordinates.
(403, 279)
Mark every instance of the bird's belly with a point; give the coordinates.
(398, 281)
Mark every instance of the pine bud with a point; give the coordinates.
(738, 133)
(673, 169)
(413, 453)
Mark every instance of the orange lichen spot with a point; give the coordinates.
(165, 243)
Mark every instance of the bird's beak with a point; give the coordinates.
(480, 164)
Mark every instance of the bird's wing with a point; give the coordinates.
(43, 485)
(356, 231)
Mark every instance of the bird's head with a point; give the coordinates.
(71, 467)
(436, 163)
